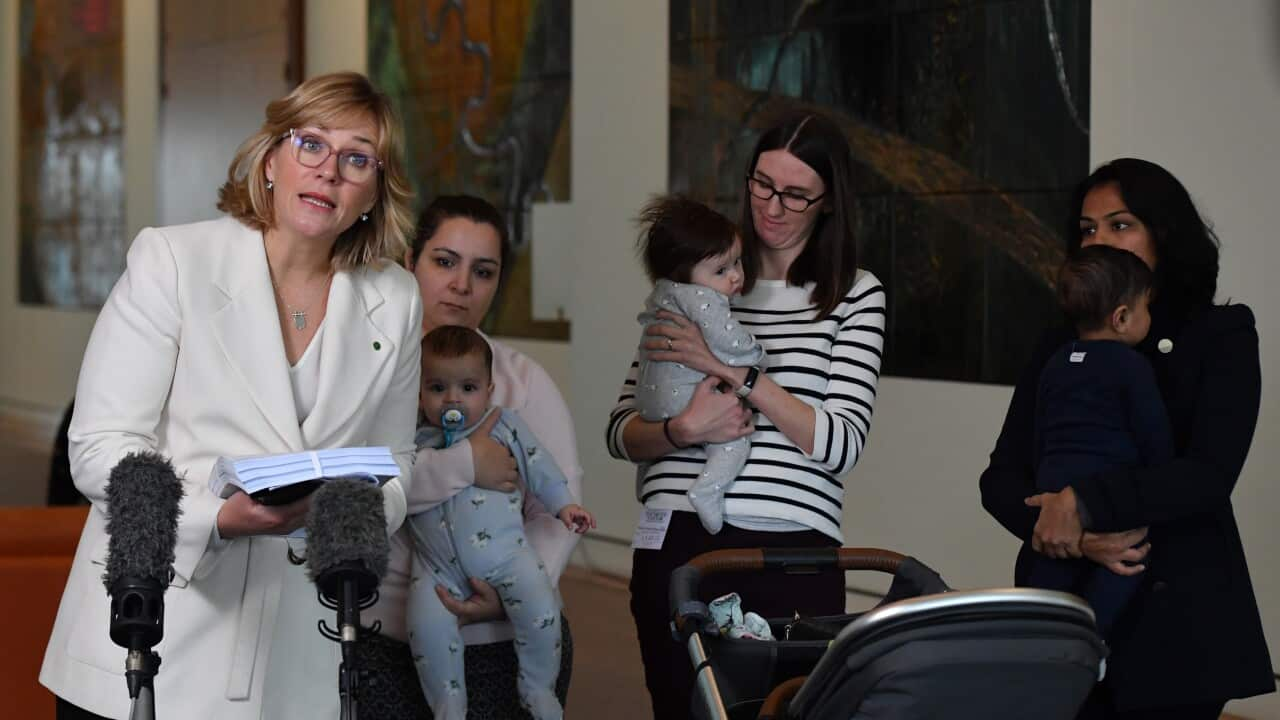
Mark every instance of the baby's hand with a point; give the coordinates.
(576, 518)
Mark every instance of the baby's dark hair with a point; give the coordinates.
(1097, 279)
(678, 232)
(455, 341)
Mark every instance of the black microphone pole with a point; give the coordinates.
(350, 676)
(347, 551)
(143, 505)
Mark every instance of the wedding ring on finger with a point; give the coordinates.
(670, 345)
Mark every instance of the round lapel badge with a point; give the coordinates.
(1165, 346)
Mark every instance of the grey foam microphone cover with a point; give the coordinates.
(144, 496)
(346, 526)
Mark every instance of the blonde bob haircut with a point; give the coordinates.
(329, 101)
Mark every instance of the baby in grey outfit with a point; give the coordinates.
(694, 256)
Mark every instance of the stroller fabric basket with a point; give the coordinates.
(924, 652)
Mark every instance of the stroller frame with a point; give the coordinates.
(918, 606)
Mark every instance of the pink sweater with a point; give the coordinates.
(519, 384)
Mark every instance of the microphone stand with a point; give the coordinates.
(140, 673)
(348, 604)
(349, 675)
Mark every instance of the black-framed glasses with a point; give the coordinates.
(794, 202)
(311, 150)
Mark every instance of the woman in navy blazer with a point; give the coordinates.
(1192, 638)
(283, 326)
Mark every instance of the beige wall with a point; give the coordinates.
(222, 64)
(335, 36)
(1195, 86)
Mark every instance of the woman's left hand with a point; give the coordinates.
(483, 605)
(1123, 553)
(680, 341)
(1058, 530)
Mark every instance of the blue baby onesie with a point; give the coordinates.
(480, 533)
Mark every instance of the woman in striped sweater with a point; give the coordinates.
(807, 410)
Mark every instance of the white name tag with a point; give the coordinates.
(651, 529)
(1077, 357)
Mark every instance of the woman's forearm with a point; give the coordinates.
(789, 414)
(645, 441)
(439, 475)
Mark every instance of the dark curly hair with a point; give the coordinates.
(677, 233)
(1096, 280)
(455, 341)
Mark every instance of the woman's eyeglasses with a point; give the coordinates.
(791, 201)
(311, 150)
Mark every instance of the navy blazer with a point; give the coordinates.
(1193, 633)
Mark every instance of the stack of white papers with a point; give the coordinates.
(279, 479)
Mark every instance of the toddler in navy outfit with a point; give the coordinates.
(1098, 406)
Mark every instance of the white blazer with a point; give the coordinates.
(187, 358)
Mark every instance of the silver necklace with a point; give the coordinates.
(298, 314)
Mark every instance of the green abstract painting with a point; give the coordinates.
(483, 88)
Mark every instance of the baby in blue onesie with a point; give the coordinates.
(480, 533)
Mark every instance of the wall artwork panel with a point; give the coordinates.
(483, 87)
(71, 189)
(968, 125)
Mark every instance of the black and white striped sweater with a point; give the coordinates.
(832, 364)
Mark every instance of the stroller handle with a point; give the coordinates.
(796, 561)
(691, 615)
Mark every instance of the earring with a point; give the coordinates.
(364, 217)
(270, 184)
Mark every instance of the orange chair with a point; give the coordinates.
(36, 549)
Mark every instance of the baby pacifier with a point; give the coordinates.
(452, 420)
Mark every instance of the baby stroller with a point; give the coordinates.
(923, 652)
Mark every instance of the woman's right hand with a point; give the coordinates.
(241, 515)
(495, 468)
(711, 417)
(484, 604)
(1114, 550)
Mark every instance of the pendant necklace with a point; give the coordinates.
(297, 314)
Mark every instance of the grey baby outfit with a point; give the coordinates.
(663, 389)
(480, 533)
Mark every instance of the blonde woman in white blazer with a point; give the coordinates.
(279, 328)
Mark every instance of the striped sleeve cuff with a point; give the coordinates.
(613, 433)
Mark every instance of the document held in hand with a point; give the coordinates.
(281, 479)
